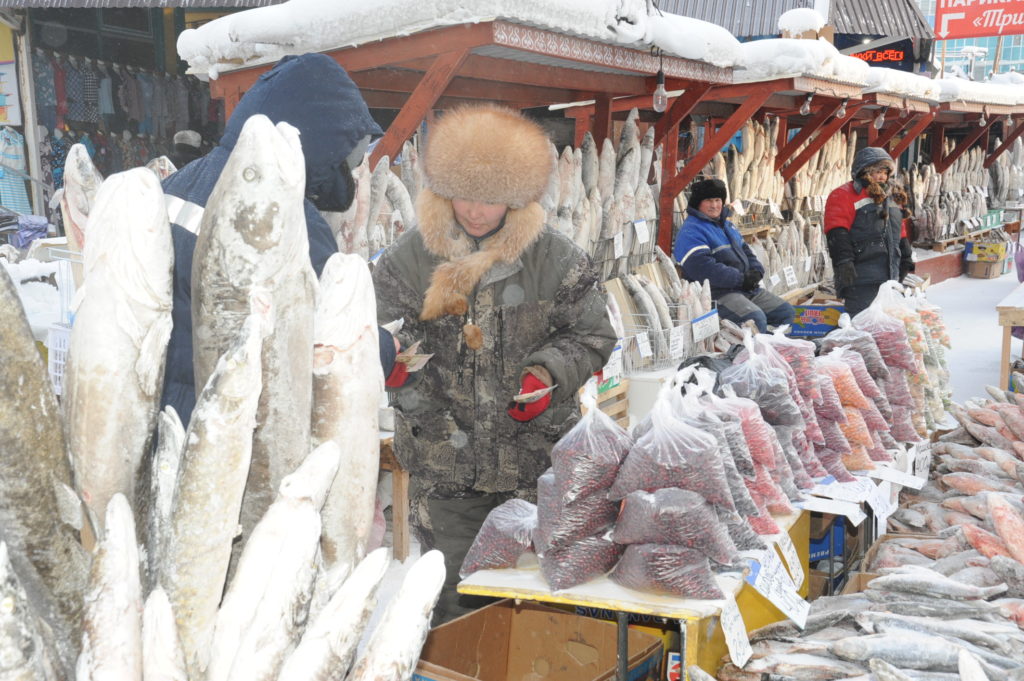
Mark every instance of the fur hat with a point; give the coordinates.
(706, 189)
(488, 154)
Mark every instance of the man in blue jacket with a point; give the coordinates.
(708, 246)
(315, 95)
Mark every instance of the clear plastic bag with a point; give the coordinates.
(931, 316)
(833, 463)
(873, 418)
(505, 534)
(877, 450)
(806, 453)
(801, 479)
(674, 516)
(834, 437)
(579, 562)
(903, 425)
(666, 569)
(858, 459)
(755, 376)
(865, 382)
(673, 454)
(587, 458)
(771, 492)
(897, 390)
(740, 531)
(560, 524)
(756, 432)
(891, 336)
(883, 407)
(861, 342)
(844, 381)
(855, 429)
(888, 441)
(799, 354)
(830, 406)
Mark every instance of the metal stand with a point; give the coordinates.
(622, 653)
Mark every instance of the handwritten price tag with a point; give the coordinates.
(807, 264)
(896, 476)
(705, 326)
(774, 209)
(677, 342)
(617, 249)
(643, 344)
(791, 280)
(922, 462)
(772, 581)
(643, 234)
(775, 279)
(613, 369)
(735, 631)
(738, 209)
(844, 508)
(792, 558)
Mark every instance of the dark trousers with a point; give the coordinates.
(858, 297)
(763, 307)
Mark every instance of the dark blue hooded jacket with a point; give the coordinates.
(714, 250)
(314, 94)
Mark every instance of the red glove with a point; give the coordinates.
(398, 376)
(527, 411)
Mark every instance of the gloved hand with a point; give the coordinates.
(906, 258)
(524, 412)
(845, 275)
(398, 376)
(751, 279)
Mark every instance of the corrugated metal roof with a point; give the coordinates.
(102, 4)
(759, 18)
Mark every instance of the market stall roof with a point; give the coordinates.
(150, 4)
(745, 19)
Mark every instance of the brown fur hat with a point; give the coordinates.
(489, 154)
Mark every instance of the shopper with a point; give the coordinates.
(187, 144)
(314, 94)
(865, 229)
(506, 305)
(710, 247)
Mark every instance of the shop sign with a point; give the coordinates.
(10, 100)
(977, 18)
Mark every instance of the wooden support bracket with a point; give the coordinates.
(682, 107)
(602, 120)
(422, 99)
(885, 136)
(915, 131)
(826, 132)
(965, 144)
(1007, 143)
(810, 127)
(666, 201)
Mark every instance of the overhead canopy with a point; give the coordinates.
(150, 4)
(745, 19)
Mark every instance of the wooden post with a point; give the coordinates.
(602, 120)
(965, 144)
(938, 144)
(999, 55)
(813, 125)
(942, 66)
(666, 202)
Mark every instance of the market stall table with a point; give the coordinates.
(1011, 313)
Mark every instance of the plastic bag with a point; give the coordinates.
(560, 524)
(834, 438)
(874, 419)
(931, 316)
(805, 451)
(767, 385)
(844, 381)
(799, 354)
(833, 463)
(888, 441)
(861, 342)
(856, 363)
(740, 531)
(673, 454)
(855, 429)
(771, 492)
(756, 432)
(587, 458)
(830, 406)
(903, 425)
(884, 408)
(674, 516)
(579, 562)
(801, 477)
(891, 336)
(666, 569)
(897, 390)
(505, 534)
(858, 459)
(877, 451)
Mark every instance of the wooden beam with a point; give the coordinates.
(602, 120)
(423, 98)
(741, 90)
(666, 202)
(938, 144)
(401, 80)
(1007, 143)
(682, 107)
(915, 131)
(809, 128)
(781, 140)
(396, 100)
(714, 143)
(965, 144)
(824, 134)
(885, 136)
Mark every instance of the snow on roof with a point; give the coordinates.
(801, 19)
(960, 90)
(693, 39)
(881, 79)
(783, 57)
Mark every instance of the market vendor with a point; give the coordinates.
(865, 229)
(506, 305)
(710, 247)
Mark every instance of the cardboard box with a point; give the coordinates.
(981, 251)
(532, 642)
(813, 319)
(858, 581)
(988, 270)
(819, 585)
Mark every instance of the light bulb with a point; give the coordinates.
(880, 119)
(805, 108)
(981, 121)
(660, 99)
(842, 109)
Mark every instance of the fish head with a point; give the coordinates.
(347, 304)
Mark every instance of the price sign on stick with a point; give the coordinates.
(677, 342)
(643, 234)
(771, 580)
(613, 369)
(643, 344)
(774, 279)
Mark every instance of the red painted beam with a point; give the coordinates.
(885, 136)
(602, 121)
(915, 131)
(666, 202)
(938, 144)
(682, 107)
(965, 144)
(826, 132)
(1007, 143)
(810, 127)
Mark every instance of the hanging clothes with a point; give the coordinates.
(13, 193)
(90, 93)
(60, 91)
(74, 92)
(46, 93)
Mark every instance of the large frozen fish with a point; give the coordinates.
(162, 657)
(112, 623)
(902, 649)
(163, 479)
(193, 562)
(267, 603)
(253, 236)
(35, 477)
(347, 387)
(114, 370)
(329, 644)
(78, 195)
(24, 653)
(1008, 523)
(394, 647)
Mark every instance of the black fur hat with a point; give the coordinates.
(706, 189)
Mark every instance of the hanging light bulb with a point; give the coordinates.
(880, 119)
(660, 99)
(981, 121)
(842, 108)
(805, 108)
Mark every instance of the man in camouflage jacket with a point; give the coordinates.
(506, 305)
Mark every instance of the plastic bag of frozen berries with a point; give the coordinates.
(560, 524)
(861, 342)
(891, 336)
(666, 569)
(505, 534)
(579, 562)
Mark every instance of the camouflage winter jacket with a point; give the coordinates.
(541, 307)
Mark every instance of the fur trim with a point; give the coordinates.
(453, 280)
(474, 336)
(488, 154)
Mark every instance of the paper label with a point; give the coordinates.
(791, 280)
(896, 476)
(775, 279)
(771, 580)
(413, 360)
(792, 558)
(853, 492)
(735, 631)
(531, 397)
(879, 501)
(677, 342)
(705, 326)
(643, 234)
(617, 245)
(807, 263)
(844, 508)
(984, 191)
(922, 462)
(738, 209)
(643, 344)
(774, 209)
(613, 369)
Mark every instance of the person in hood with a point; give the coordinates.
(710, 247)
(315, 95)
(186, 147)
(507, 306)
(865, 229)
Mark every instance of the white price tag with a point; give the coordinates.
(771, 580)
(896, 476)
(677, 342)
(879, 502)
(705, 326)
(643, 234)
(852, 492)
(807, 263)
(774, 209)
(775, 279)
(643, 344)
(844, 508)
(792, 558)
(617, 249)
(736, 638)
(738, 209)
(922, 462)
(791, 280)
(984, 191)
(613, 369)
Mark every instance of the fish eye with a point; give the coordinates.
(249, 174)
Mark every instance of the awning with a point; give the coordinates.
(151, 4)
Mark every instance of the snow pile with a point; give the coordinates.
(797, 21)
(40, 299)
(881, 79)
(957, 89)
(693, 39)
(780, 57)
(267, 33)
(1008, 78)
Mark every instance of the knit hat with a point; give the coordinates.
(189, 137)
(706, 189)
(488, 154)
